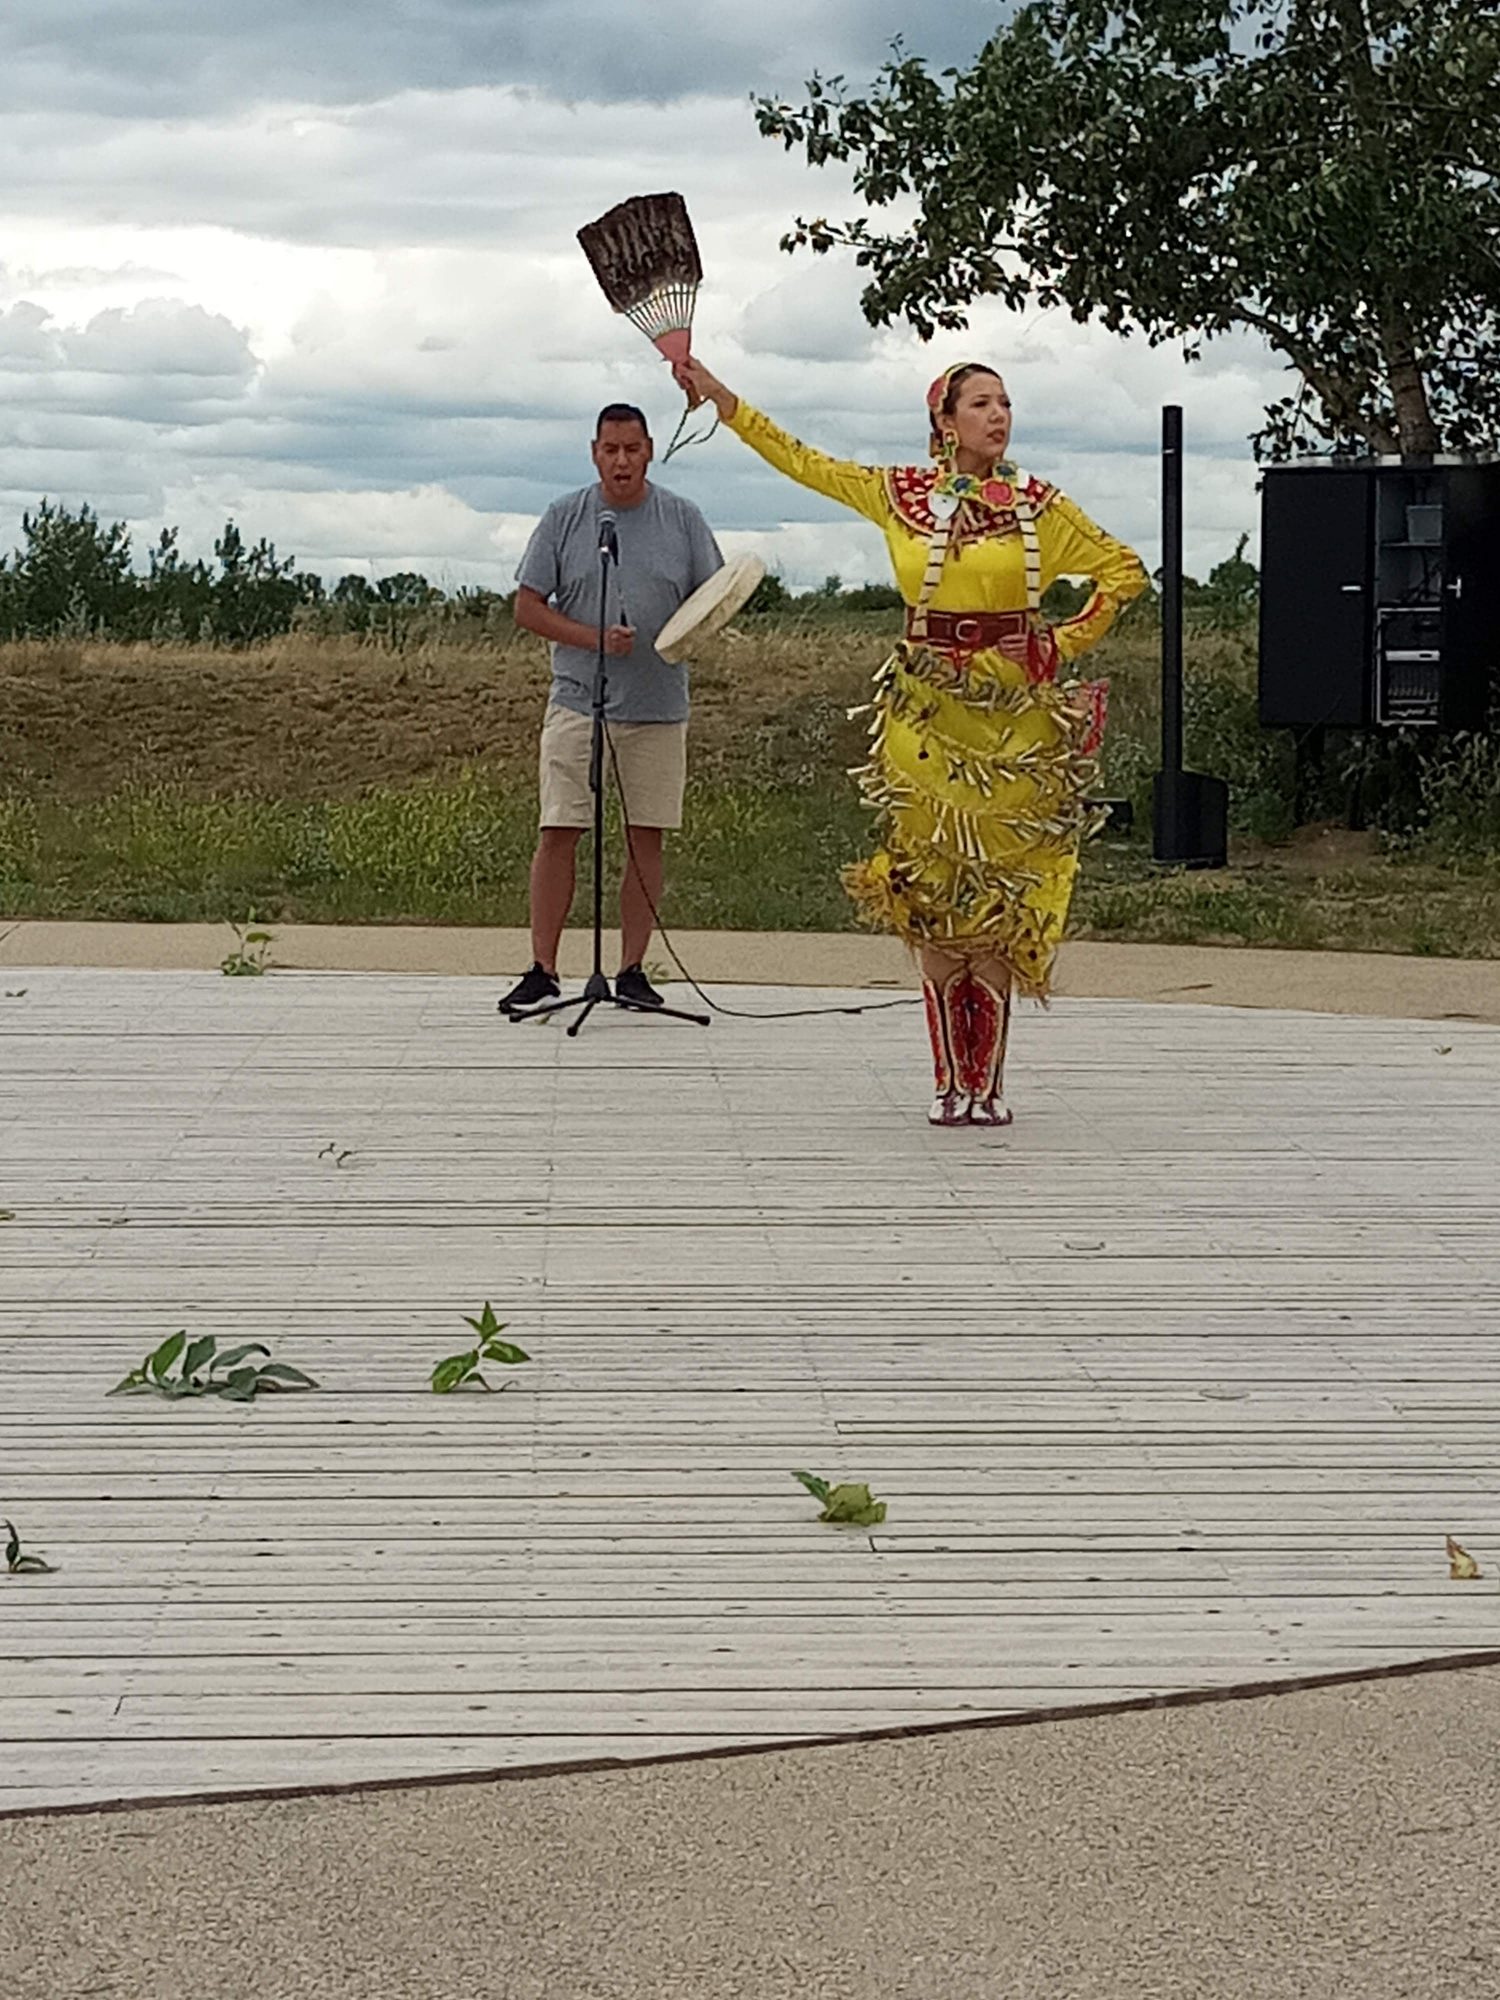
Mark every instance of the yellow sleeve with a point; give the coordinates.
(1073, 546)
(861, 487)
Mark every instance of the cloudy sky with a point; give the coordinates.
(314, 267)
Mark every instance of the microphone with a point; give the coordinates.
(609, 540)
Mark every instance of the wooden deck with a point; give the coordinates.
(1179, 1384)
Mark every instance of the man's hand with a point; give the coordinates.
(535, 614)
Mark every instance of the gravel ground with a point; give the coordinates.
(1338, 1844)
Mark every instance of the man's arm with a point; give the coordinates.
(534, 614)
(704, 557)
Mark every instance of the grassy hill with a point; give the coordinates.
(332, 778)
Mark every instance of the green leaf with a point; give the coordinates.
(275, 1372)
(854, 1505)
(237, 1354)
(23, 1564)
(503, 1350)
(240, 1387)
(198, 1352)
(818, 1488)
(448, 1374)
(136, 1379)
(12, 1545)
(158, 1363)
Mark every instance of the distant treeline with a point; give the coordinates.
(73, 576)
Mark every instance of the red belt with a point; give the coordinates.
(969, 631)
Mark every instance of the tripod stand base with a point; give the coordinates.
(599, 993)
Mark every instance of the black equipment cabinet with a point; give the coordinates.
(1376, 602)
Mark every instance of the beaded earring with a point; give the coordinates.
(943, 446)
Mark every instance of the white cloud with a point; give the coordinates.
(366, 331)
(808, 316)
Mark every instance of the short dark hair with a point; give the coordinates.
(620, 413)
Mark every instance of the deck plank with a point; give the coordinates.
(1179, 1385)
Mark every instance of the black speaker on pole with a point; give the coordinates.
(1191, 811)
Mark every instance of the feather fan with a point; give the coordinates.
(645, 256)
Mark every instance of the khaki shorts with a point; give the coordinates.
(652, 760)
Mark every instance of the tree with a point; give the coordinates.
(1232, 592)
(472, 603)
(71, 572)
(769, 595)
(873, 597)
(256, 592)
(1322, 172)
(175, 597)
(407, 588)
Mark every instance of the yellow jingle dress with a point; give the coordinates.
(980, 767)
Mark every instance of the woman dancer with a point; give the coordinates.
(981, 754)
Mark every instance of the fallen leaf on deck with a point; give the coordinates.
(1462, 1567)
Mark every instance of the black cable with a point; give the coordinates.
(737, 1013)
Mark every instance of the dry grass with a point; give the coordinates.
(306, 718)
(302, 717)
(334, 779)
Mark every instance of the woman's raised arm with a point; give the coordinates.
(860, 487)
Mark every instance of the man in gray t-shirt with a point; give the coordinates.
(666, 552)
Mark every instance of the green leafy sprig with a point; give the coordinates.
(202, 1371)
(461, 1369)
(17, 1564)
(855, 1505)
(248, 959)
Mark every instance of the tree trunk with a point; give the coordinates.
(1414, 425)
(1348, 407)
(1415, 428)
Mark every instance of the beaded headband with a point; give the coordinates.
(937, 395)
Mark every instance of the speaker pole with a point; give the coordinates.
(1171, 599)
(1191, 812)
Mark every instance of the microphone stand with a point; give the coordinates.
(598, 992)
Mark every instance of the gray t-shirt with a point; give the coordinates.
(666, 551)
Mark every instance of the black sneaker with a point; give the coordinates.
(633, 984)
(531, 990)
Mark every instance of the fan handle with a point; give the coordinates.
(675, 346)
